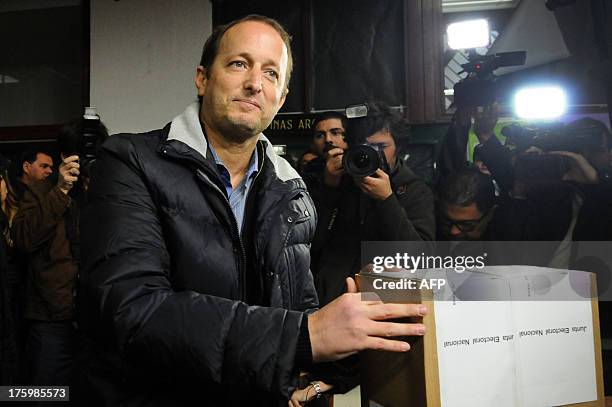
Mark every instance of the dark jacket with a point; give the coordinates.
(179, 306)
(348, 217)
(39, 230)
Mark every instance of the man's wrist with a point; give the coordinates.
(331, 180)
(303, 350)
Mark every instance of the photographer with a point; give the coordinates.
(550, 180)
(394, 206)
(328, 132)
(46, 227)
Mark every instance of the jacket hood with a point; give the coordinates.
(186, 128)
(402, 174)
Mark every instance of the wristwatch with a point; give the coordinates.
(317, 388)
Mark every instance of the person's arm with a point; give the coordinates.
(497, 159)
(41, 209)
(404, 216)
(37, 218)
(494, 155)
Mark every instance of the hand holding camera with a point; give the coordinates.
(68, 173)
(333, 167)
(377, 185)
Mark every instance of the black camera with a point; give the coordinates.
(83, 137)
(479, 88)
(90, 139)
(363, 160)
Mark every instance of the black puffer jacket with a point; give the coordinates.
(178, 306)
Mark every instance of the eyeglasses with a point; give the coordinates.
(465, 226)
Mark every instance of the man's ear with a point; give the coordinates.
(283, 98)
(26, 167)
(201, 80)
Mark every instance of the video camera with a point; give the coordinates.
(362, 159)
(479, 87)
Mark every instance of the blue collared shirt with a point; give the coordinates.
(237, 197)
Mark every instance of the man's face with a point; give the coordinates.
(39, 170)
(329, 132)
(244, 88)
(463, 222)
(384, 138)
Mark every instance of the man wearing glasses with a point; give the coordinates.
(466, 205)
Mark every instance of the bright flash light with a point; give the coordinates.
(540, 103)
(468, 34)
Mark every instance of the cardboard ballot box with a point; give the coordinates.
(502, 336)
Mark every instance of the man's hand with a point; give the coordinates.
(68, 173)
(348, 325)
(333, 167)
(581, 171)
(377, 186)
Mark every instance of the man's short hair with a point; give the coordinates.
(327, 116)
(211, 47)
(381, 117)
(465, 187)
(30, 156)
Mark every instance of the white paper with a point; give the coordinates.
(520, 353)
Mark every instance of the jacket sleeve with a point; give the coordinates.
(129, 302)
(38, 216)
(497, 159)
(408, 216)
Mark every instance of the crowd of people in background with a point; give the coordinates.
(552, 187)
(502, 196)
(530, 188)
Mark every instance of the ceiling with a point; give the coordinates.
(7, 6)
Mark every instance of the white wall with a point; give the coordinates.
(143, 59)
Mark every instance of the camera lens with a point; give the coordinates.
(360, 161)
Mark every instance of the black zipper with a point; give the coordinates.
(235, 235)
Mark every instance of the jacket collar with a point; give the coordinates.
(186, 128)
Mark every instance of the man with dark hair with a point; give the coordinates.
(45, 228)
(466, 204)
(329, 130)
(195, 281)
(34, 166)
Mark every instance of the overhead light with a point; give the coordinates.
(540, 103)
(454, 6)
(468, 34)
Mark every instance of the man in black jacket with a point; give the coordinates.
(195, 281)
